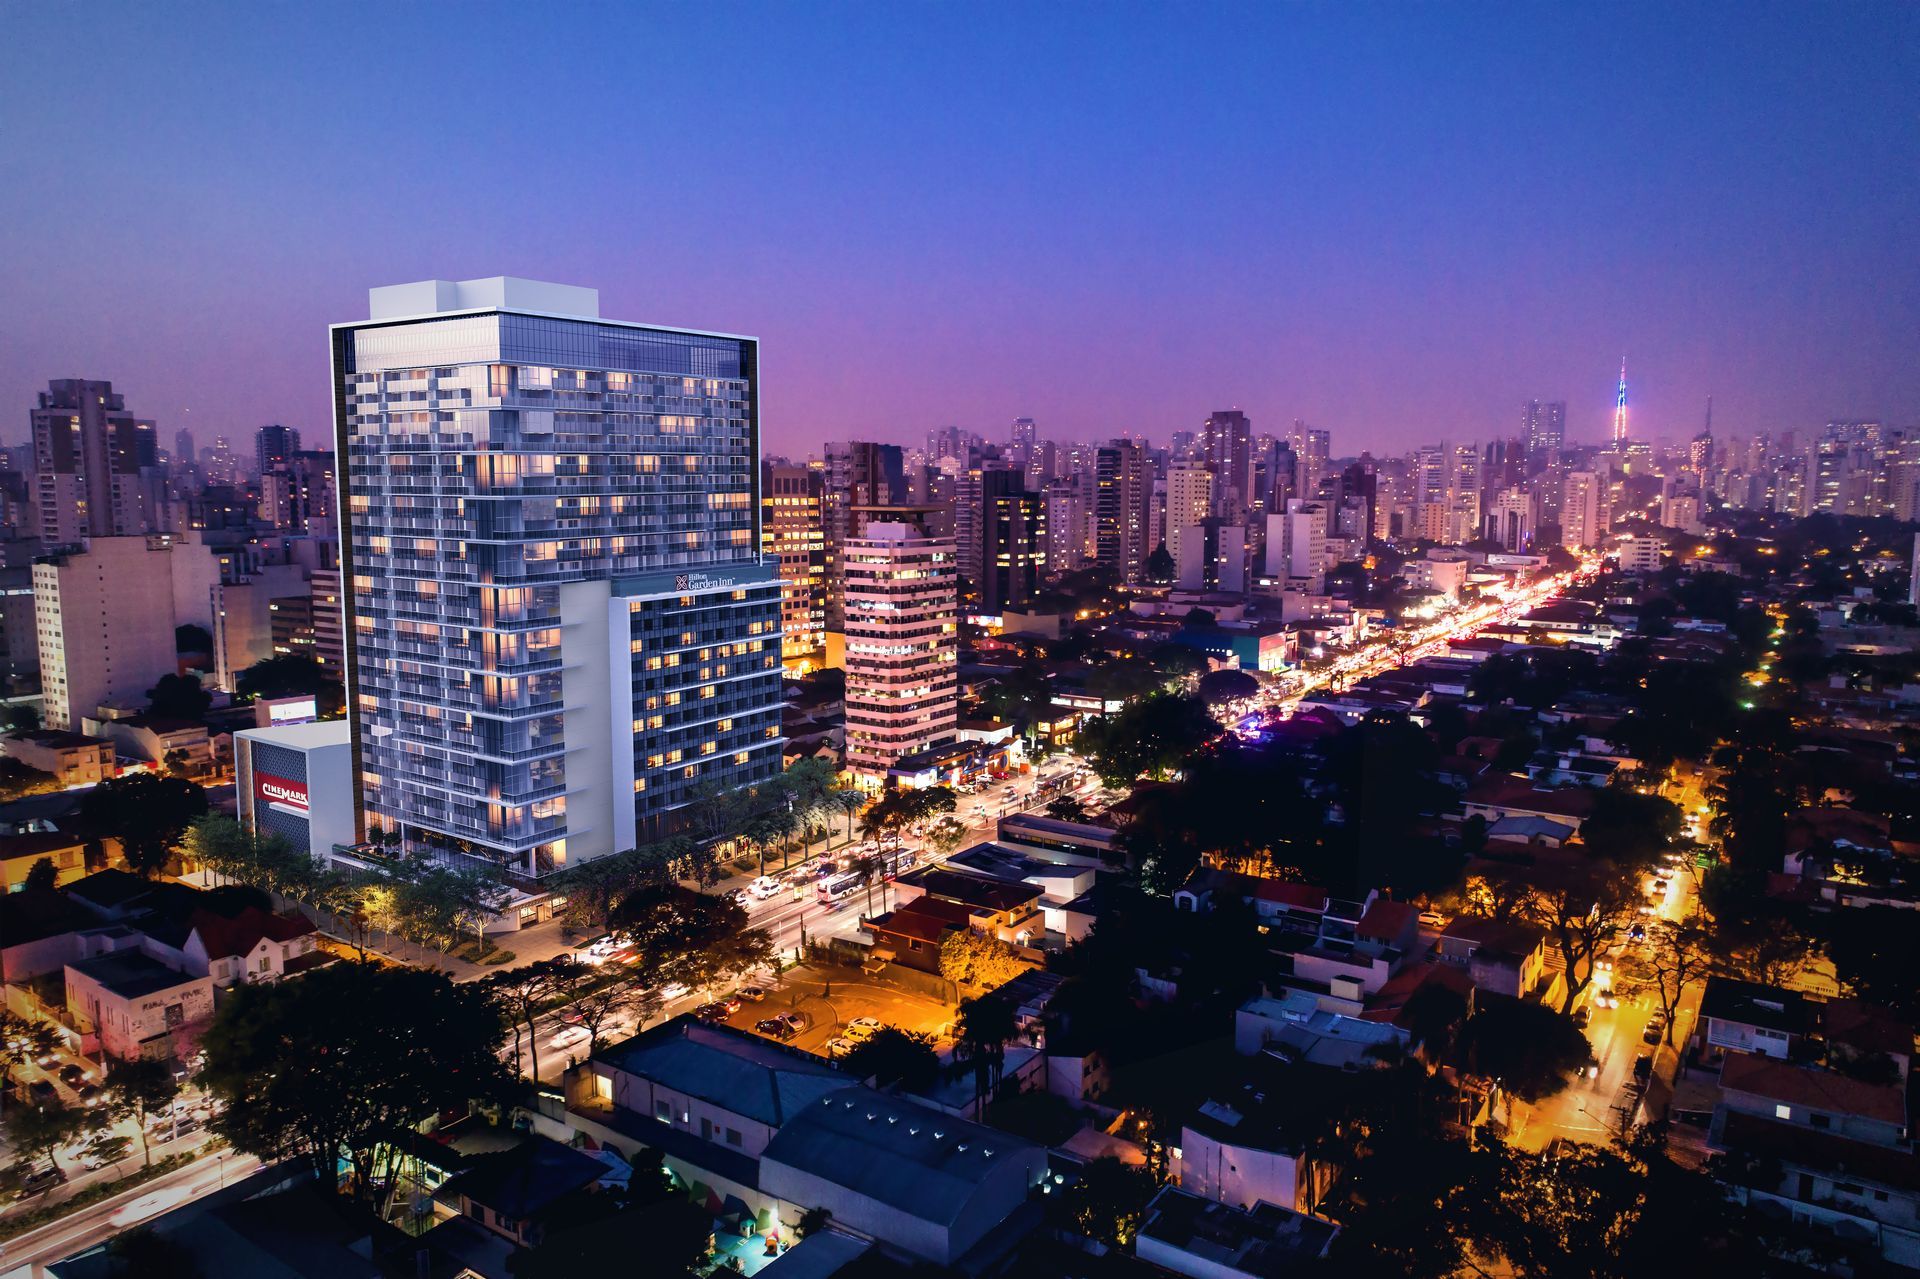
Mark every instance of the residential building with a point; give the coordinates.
(1641, 555)
(902, 601)
(791, 533)
(1543, 425)
(72, 759)
(1192, 1236)
(274, 447)
(1189, 503)
(128, 1004)
(1583, 509)
(300, 494)
(1123, 479)
(1013, 542)
(1226, 442)
(248, 612)
(106, 618)
(559, 625)
(96, 466)
(857, 473)
(19, 854)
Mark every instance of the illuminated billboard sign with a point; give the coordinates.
(278, 790)
(294, 710)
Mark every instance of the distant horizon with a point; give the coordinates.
(1397, 223)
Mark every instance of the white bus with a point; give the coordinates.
(837, 888)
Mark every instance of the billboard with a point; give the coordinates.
(290, 710)
(278, 790)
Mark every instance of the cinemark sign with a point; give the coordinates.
(278, 790)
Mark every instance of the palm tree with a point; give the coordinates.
(980, 1036)
(847, 803)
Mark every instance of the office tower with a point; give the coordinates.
(1512, 519)
(106, 617)
(560, 627)
(1297, 545)
(1311, 449)
(1021, 442)
(857, 473)
(300, 494)
(947, 449)
(1013, 556)
(222, 463)
(1043, 464)
(792, 535)
(1583, 509)
(89, 453)
(1543, 425)
(1226, 446)
(274, 447)
(1123, 480)
(250, 611)
(1067, 523)
(184, 452)
(1189, 503)
(902, 603)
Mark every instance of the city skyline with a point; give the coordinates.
(918, 258)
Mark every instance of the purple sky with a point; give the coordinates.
(1395, 221)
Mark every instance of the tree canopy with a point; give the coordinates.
(146, 813)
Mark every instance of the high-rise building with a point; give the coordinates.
(1543, 425)
(902, 603)
(96, 466)
(1189, 503)
(792, 534)
(106, 617)
(1512, 519)
(1123, 479)
(1068, 522)
(1311, 451)
(1681, 511)
(274, 447)
(560, 628)
(1583, 509)
(184, 452)
(300, 494)
(1013, 543)
(1226, 446)
(1022, 440)
(857, 473)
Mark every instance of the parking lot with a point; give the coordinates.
(828, 999)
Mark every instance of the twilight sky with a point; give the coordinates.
(1396, 221)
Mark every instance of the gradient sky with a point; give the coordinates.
(1396, 221)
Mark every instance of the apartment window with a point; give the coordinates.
(733, 1136)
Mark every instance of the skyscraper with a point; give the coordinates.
(274, 447)
(560, 628)
(1123, 479)
(1543, 425)
(1021, 441)
(791, 533)
(1189, 503)
(89, 455)
(1226, 446)
(1583, 509)
(902, 605)
(858, 473)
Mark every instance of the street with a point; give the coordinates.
(26, 1254)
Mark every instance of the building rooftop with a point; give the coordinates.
(1822, 1090)
(526, 1180)
(1269, 1241)
(1797, 1146)
(300, 737)
(1750, 1003)
(976, 891)
(132, 974)
(926, 1164)
(748, 1075)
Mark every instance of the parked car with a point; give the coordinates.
(752, 994)
(1581, 1016)
(571, 1035)
(715, 1011)
(91, 1095)
(1643, 1067)
(863, 1028)
(839, 1047)
(775, 1027)
(41, 1180)
(72, 1075)
(42, 1092)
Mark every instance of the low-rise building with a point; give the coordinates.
(1747, 1017)
(128, 1004)
(1192, 1236)
(72, 759)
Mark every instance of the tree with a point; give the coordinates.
(138, 1089)
(42, 875)
(1628, 827)
(286, 675)
(22, 1040)
(192, 638)
(1066, 808)
(980, 1036)
(1154, 736)
(346, 1060)
(891, 1055)
(1528, 1049)
(969, 958)
(22, 718)
(1218, 688)
(523, 992)
(178, 697)
(43, 1129)
(1680, 955)
(147, 814)
(1876, 952)
(1107, 1201)
(946, 835)
(143, 1254)
(690, 937)
(599, 1006)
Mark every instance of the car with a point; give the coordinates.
(715, 1011)
(839, 1047)
(72, 1076)
(1654, 1033)
(91, 1095)
(862, 1028)
(568, 1036)
(571, 1017)
(738, 896)
(1661, 885)
(764, 887)
(674, 990)
(1581, 1016)
(752, 994)
(42, 1092)
(1637, 933)
(775, 1027)
(41, 1180)
(1603, 965)
(796, 1020)
(1643, 1067)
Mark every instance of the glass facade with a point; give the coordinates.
(490, 461)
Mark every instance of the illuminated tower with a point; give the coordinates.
(1620, 409)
